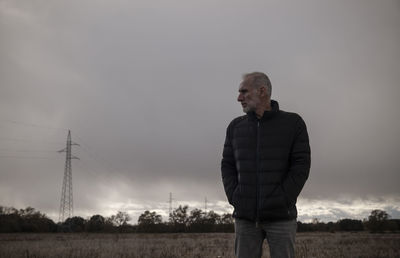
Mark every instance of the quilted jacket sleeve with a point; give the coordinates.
(228, 166)
(299, 163)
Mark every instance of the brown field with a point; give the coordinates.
(189, 245)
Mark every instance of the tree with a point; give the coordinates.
(225, 223)
(392, 225)
(200, 221)
(179, 218)
(10, 223)
(196, 221)
(96, 223)
(24, 220)
(120, 219)
(378, 215)
(226, 218)
(149, 218)
(377, 221)
(149, 222)
(29, 212)
(179, 215)
(213, 218)
(35, 221)
(75, 224)
(197, 216)
(350, 225)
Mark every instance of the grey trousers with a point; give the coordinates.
(280, 236)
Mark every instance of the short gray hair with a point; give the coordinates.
(258, 79)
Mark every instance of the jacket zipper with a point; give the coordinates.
(257, 172)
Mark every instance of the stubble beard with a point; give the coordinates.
(248, 109)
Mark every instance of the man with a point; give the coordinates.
(265, 163)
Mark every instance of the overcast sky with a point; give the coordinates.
(147, 89)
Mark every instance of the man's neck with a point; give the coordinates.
(260, 112)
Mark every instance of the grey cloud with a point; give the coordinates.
(148, 90)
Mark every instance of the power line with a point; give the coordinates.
(85, 147)
(23, 157)
(27, 140)
(97, 158)
(10, 150)
(84, 167)
(34, 125)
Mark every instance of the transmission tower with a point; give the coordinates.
(66, 204)
(170, 204)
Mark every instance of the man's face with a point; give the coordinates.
(249, 97)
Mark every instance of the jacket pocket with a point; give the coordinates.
(284, 197)
(235, 196)
(285, 204)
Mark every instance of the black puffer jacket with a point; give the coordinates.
(265, 164)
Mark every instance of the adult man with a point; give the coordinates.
(266, 161)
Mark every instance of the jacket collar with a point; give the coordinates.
(267, 114)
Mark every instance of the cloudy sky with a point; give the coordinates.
(147, 89)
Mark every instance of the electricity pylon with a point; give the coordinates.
(170, 204)
(66, 204)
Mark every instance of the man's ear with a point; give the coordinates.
(263, 91)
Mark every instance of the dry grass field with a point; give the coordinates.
(189, 245)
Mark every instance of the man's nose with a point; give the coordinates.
(240, 98)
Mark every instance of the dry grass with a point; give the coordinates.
(189, 245)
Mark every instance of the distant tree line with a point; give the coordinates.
(378, 221)
(24, 220)
(180, 220)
